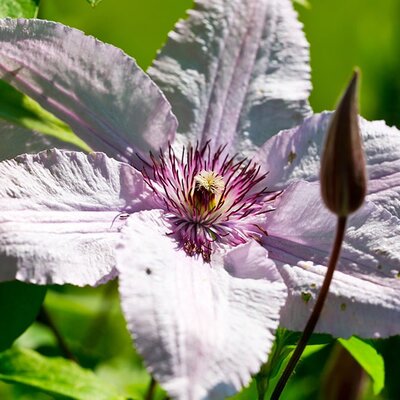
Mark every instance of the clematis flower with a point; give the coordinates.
(215, 226)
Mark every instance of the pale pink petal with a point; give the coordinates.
(16, 140)
(295, 154)
(301, 231)
(61, 214)
(201, 330)
(382, 146)
(354, 306)
(236, 71)
(96, 88)
(249, 261)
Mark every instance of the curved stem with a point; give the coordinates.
(312, 321)
(45, 318)
(92, 336)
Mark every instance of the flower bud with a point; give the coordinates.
(343, 175)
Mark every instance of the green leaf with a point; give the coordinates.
(19, 8)
(93, 3)
(281, 353)
(369, 359)
(21, 110)
(102, 340)
(37, 335)
(287, 354)
(19, 306)
(55, 376)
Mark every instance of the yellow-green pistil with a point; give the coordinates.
(207, 191)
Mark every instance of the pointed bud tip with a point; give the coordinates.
(354, 80)
(343, 174)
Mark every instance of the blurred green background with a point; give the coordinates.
(342, 34)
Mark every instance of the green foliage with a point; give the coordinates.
(21, 110)
(19, 306)
(19, 8)
(366, 355)
(282, 362)
(91, 322)
(53, 375)
(284, 346)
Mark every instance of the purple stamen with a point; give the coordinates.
(209, 197)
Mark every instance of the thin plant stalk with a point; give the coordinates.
(151, 389)
(92, 336)
(46, 319)
(314, 317)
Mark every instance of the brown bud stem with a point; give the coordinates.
(312, 321)
(343, 189)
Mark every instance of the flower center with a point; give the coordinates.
(207, 191)
(209, 198)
